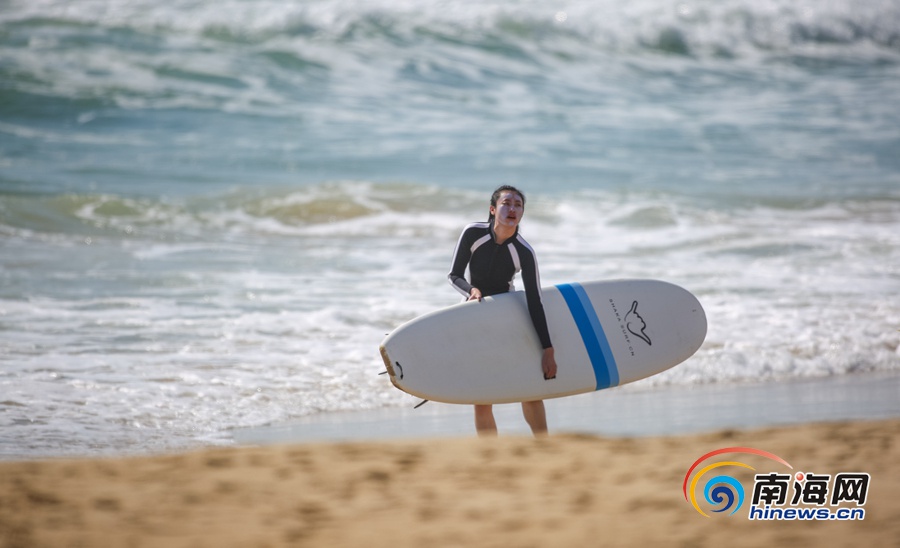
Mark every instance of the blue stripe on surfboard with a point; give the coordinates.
(605, 371)
(611, 366)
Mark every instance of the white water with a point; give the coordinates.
(181, 320)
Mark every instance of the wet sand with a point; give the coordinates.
(626, 411)
(565, 490)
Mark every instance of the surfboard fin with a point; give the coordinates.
(420, 404)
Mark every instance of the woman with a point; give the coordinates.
(494, 252)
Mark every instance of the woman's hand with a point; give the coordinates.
(475, 294)
(548, 364)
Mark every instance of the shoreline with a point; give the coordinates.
(622, 412)
(629, 411)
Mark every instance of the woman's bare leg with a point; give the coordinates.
(535, 416)
(484, 420)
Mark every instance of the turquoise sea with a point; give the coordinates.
(212, 212)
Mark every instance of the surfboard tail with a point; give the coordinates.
(387, 364)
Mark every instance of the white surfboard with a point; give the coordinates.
(604, 334)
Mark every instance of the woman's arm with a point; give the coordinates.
(531, 279)
(461, 257)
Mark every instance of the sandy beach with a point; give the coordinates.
(565, 490)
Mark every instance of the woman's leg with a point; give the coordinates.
(535, 416)
(484, 420)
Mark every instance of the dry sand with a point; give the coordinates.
(564, 490)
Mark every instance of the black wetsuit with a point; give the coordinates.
(493, 266)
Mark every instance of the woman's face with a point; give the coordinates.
(509, 209)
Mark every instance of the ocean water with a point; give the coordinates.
(211, 212)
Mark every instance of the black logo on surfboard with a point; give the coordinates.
(635, 324)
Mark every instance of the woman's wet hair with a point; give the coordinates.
(500, 190)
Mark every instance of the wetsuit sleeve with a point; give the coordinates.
(532, 281)
(461, 256)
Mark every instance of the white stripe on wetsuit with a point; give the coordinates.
(480, 242)
(514, 254)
